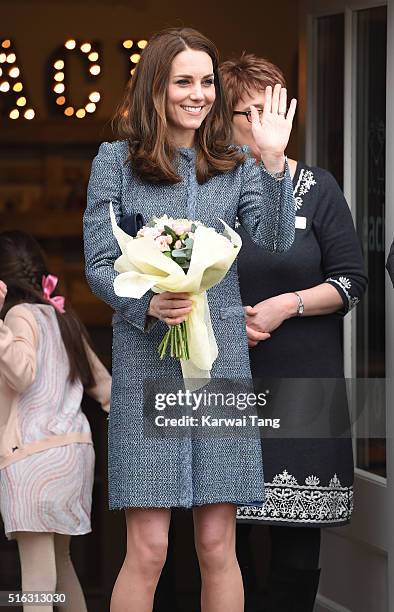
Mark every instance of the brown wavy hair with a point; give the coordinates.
(22, 266)
(141, 116)
(242, 75)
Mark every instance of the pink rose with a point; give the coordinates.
(162, 243)
(180, 228)
(178, 244)
(151, 232)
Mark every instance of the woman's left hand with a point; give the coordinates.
(3, 293)
(268, 315)
(272, 132)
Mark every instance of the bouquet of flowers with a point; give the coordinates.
(178, 255)
(175, 239)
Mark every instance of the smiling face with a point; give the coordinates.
(242, 129)
(190, 95)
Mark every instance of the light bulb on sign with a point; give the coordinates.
(94, 96)
(59, 88)
(14, 72)
(95, 69)
(90, 107)
(86, 47)
(29, 114)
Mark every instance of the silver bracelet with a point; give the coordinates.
(301, 307)
(276, 175)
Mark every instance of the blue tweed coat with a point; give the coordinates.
(145, 472)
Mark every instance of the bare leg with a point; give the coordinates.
(147, 540)
(38, 566)
(67, 579)
(214, 530)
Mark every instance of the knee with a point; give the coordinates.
(215, 551)
(148, 554)
(39, 580)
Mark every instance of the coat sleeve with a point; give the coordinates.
(390, 263)
(18, 348)
(267, 209)
(101, 390)
(342, 260)
(101, 248)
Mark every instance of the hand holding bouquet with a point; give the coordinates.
(178, 256)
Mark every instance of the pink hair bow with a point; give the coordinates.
(48, 287)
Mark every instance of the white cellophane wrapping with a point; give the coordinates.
(142, 266)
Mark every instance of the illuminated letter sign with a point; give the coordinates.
(12, 89)
(89, 52)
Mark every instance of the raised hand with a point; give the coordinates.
(272, 131)
(3, 293)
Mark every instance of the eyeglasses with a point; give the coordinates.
(248, 114)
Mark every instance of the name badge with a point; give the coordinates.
(300, 222)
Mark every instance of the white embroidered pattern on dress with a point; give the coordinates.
(345, 284)
(305, 181)
(289, 502)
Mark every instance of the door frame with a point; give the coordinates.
(390, 297)
(378, 533)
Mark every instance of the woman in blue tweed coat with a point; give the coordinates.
(176, 160)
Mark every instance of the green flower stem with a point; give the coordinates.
(184, 329)
(176, 337)
(172, 341)
(163, 345)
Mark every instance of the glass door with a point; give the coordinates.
(370, 191)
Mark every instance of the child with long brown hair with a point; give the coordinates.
(46, 451)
